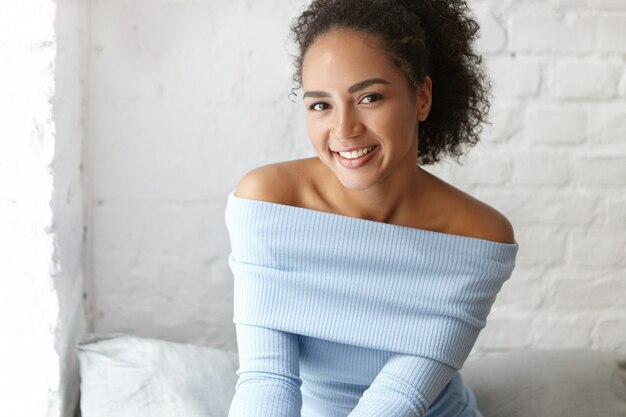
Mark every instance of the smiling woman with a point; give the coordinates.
(361, 280)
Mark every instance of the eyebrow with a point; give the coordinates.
(356, 87)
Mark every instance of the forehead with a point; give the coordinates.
(342, 57)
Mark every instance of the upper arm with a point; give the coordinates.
(266, 183)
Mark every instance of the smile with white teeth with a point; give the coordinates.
(356, 154)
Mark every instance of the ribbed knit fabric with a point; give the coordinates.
(341, 316)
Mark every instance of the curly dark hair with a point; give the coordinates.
(424, 38)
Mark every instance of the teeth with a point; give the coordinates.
(356, 154)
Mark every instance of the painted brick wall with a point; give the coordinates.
(41, 305)
(187, 96)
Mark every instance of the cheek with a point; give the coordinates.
(391, 125)
(404, 123)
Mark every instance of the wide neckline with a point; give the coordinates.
(374, 223)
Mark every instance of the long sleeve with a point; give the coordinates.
(405, 387)
(269, 376)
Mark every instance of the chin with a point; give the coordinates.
(355, 182)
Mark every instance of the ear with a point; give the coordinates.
(424, 98)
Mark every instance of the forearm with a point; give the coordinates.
(259, 394)
(389, 398)
(405, 387)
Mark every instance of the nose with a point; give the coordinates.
(346, 123)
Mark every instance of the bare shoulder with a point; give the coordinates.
(274, 183)
(265, 183)
(482, 221)
(468, 216)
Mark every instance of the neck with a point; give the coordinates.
(382, 203)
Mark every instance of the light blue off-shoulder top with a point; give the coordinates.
(340, 316)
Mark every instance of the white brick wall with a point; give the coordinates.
(514, 78)
(554, 123)
(183, 99)
(538, 27)
(578, 79)
(41, 309)
(186, 97)
(565, 192)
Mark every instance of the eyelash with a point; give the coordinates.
(376, 97)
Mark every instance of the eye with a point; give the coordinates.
(371, 98)
(318, 106)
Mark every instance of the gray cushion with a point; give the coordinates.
(127, 376)
(572, 383)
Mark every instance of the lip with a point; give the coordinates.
(356, 162)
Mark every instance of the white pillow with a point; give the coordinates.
(129, 376)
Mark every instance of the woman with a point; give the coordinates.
(361, 280)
